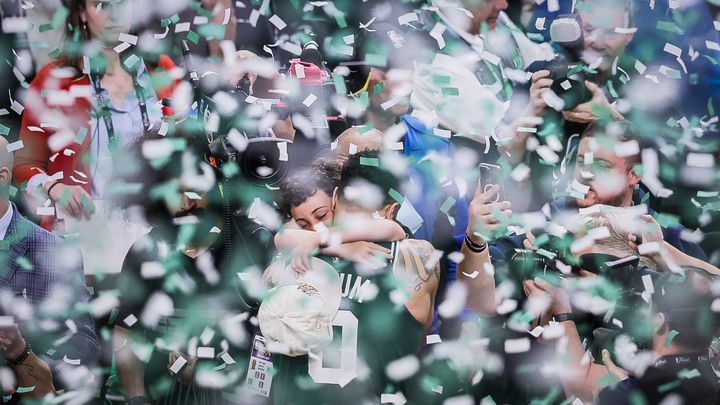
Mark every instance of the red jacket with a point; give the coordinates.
(56, 124)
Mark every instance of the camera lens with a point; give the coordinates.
(261, 162)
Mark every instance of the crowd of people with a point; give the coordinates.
(360, 202)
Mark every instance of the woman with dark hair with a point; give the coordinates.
(306, 200)
(98, 96)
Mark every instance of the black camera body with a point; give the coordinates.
(565, 68)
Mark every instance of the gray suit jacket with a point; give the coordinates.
(38, 268)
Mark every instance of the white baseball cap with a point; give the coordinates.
(298, 312)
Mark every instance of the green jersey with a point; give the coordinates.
(372, 328)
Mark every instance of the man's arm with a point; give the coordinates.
(131, 370)
(475, 269)
(29, 371)
(419, 277)
(371, 230)
(581, 376)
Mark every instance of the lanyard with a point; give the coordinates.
(105, 113)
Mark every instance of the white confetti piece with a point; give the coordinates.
(349, 39)
(226, 18)
(695, 159)
(163, 34)
(131, 39)
(122, 46)
(537, 331)
(712, 45)
(540, 23)
(398, 398)
(309, 100)
(432, 339)
(182, 27)
(152, 269)
(74, 362)
(407, 18)
(45, 211)
(17, 145)
(13, 25)
(402, 368)
(672, 49)
(521, 345)
(629, 148)
(277, 22)
(520, 173)
(648, 284)
(437, 34)
(206, 352)
(282, 147)
(130, 320)
(178, 365)
(227, 358)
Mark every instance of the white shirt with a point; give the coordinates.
(5, 222)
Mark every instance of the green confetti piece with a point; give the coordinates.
(669, 27)
(611, 88)
(710, 108)
(4, 130)
(25, 390)
(340, 20)
(193, 37)
(165, 22)
(396, 196)
(450, 91)
(449, 202)
(673, 73)
(13, 191)
(55, 53)
(60, 17)
(174, 19)
(86, 202)
(689, 374)
(339, 83)
(80, 137)
(546, 253)
(131, 61)
(670, 337)
(668, 386)
(212, 31)
(379, 88)
(370, 161)
(375, 59)
(230, 169)
(45, 27)
(667, 220)
(24, 263)
(534, 36)
(441, 79)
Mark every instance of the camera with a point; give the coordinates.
(566, 70)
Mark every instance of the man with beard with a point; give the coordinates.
(603, 176)
(180, 290)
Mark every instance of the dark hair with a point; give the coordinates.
(76, 34)
(687, 308)
(323, 174)
(367, 166)
(618, 131)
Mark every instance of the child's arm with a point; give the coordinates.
(369, 230)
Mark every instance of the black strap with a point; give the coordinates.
(105, 110)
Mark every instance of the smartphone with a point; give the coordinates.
(490, 174)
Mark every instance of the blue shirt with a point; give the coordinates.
(128, 125)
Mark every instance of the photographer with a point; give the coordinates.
(198, 251)
(681, 326)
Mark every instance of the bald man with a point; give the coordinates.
(36, 268)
